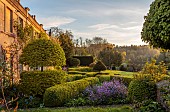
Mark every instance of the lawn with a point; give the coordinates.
(88, 72)
(81, 109)
(120, 73)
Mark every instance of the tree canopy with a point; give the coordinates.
(156, 28)
(65, 40)
(110, 57)
(42, 52)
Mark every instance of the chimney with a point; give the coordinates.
(27, 9)
(41, 25)
(50, 33)
(34, 17)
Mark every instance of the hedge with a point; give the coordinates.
(59, 94)
(81, 69)
(103, 78)
(85, 60)
(91, 74)
(70, 78)
(125, 80)
(35, 82)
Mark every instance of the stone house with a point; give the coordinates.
(10, 12)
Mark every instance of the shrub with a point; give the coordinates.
(59, 94)
(152, 72)
(91, 74)
(70, 78)
(73, 72)
(151, 106)
(123, 67)
(84, 60)
(130, 68)
(92, 65)
(29, 102)
(99, 66)
(168, 65)
(124, 80)
(81, 69)
(74, 62)
(77, 102)
(139, 91)
(113, 67)
(35, 82)
(103, 78)
(107, 93)
(42, 52)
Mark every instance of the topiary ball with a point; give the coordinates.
(74, 62)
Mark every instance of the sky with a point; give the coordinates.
(118, 21)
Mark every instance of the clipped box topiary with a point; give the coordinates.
(59, 94)
(99, 66)
(74, 62)
(35, 82)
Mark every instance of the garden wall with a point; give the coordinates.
(163, 91)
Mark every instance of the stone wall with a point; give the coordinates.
(163, 90)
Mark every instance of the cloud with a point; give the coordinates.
(55, 21)
(103, 26)
(121, 34)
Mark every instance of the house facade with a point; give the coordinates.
(12, 11)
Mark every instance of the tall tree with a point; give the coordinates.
(65, 40)
(106, 56)
(99, 40)
(110, 57)
(156, 28)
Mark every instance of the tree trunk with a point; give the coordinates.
(41, 68)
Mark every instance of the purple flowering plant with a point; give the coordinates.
(106, 93)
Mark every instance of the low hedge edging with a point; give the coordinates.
(70, 78)
(59, 94)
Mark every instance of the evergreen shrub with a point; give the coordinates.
(85, 60)
(99, 66)
(103, 78)
(59, 94)
(74, 62)
(35, 82)
(124, 80)
(139, 91)
(70, 78)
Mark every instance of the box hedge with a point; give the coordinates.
(81, 69)
(91, 74)
(59, 94)
(125, 80)
(70, 78)
(103, 78)
(85, 60)
(35, 82)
